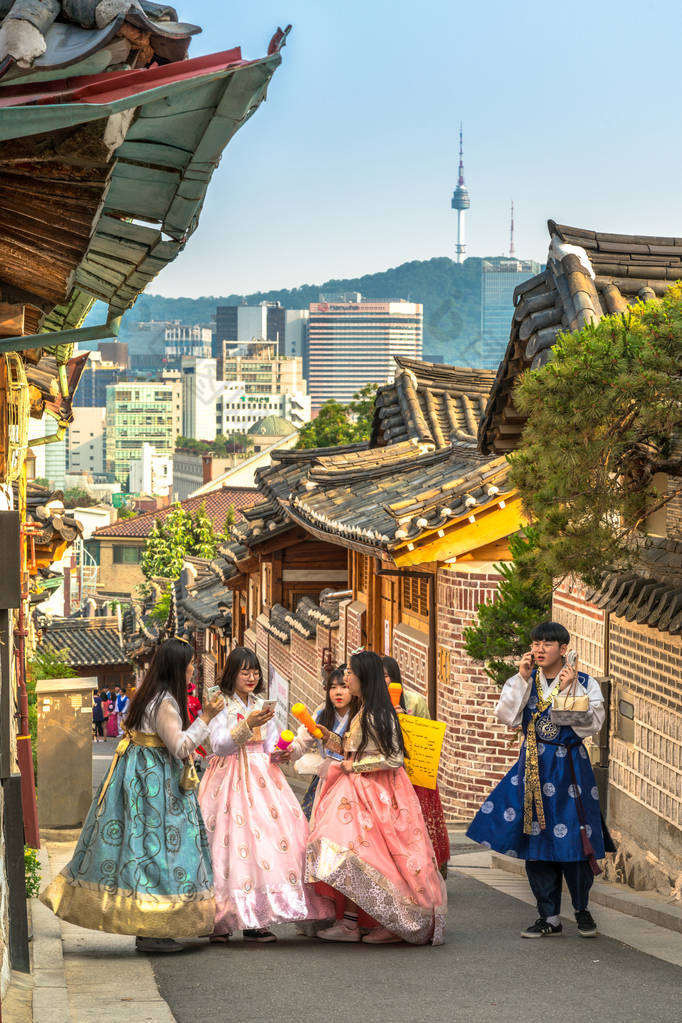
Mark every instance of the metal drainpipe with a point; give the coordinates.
(431, 687)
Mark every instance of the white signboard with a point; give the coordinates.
(278, 689)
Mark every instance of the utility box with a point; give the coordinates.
(64, 750)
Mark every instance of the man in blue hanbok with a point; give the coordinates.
(546, 808)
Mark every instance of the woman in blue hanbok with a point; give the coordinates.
(546, 808)
(141, 865)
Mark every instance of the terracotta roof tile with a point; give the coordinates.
(216, 504)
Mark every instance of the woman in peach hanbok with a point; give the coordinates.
(256, 829)
(369, 848)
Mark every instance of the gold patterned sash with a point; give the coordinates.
(532, 796)
(133, 738)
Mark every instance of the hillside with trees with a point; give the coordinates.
(450, 293)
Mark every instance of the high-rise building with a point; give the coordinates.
(268, 321)
(259, 383)
(151, 473)
(86, 441)
(200, 391)
(180, 342)
(354, 343)
(499, 278)
(96, 377)
(137, 413)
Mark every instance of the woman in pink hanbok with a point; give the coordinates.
(369, 848)
(256, 829)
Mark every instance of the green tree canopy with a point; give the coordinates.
(524, 598)
(603, 417)
(341, 424)
(178, 534)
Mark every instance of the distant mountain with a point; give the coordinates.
(450, 293)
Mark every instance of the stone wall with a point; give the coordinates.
(305, 683)
(586, 624)
(477, 750)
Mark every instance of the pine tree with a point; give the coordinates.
(523, 599)
(603, 416)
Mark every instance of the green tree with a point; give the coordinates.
(523, 599)
(602, 418)
(178, 534)
(331, 426)
(341, 424)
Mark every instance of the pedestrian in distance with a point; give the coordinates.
(369, 848)
(141, 865)
(429, 799)
(121, 704)
(97, 717)
(256, 828)
(546, 808)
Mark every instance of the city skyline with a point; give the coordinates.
(321, 152)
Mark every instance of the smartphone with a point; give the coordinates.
(269, 705)
(212, 692)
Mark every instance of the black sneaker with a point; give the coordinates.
(258, 934)
(541, 929)
(158, 945)
(587, 928)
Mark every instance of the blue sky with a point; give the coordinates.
(349, 166)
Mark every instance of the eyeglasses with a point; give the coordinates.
(543, 644)
(248, 674)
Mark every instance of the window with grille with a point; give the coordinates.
(416, 596)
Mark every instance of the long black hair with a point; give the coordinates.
(166, 673)
(392, 669)
(241, 657)
(327, 716)
(378, 715)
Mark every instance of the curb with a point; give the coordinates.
(50, 997)
(612, 896)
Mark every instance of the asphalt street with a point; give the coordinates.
(484, 972)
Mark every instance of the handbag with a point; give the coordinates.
(570, 706)
(189, 779)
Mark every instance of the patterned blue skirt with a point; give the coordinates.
(498, 824)
(141, 865)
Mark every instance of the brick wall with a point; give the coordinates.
(477, 750)
(646, 668)
(411, 651)
(305, 682)
(673, 510)
(356, 619)
(586, 624)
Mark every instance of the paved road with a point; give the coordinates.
(484, 972)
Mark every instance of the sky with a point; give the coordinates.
(349, 166)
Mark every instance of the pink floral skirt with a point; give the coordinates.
(369, 842)
(257, 834)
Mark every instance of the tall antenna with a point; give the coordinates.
(511, 233)
(460, 202)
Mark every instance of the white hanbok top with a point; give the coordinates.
(516, 692)
(162, 717)
(308, 754)
(229, 730)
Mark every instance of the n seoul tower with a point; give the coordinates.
(460, 202)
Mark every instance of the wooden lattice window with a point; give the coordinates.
(416, 596)
(363, 573)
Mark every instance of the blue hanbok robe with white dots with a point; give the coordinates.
(498, 824)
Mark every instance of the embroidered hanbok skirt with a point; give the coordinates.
(369, 842)
(112, 726)
(434, 818)
(141, 865)
(257, 833)
(498, 824)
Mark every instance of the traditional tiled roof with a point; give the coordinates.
(206, 601)
(386, 506)
(589, 275)
(84, 641)
(277, 625)
(430, 405)
(651, 594)
(217, 505)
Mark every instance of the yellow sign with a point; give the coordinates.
(423, 742)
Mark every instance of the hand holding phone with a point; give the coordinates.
(269, 705)
(212, 692)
